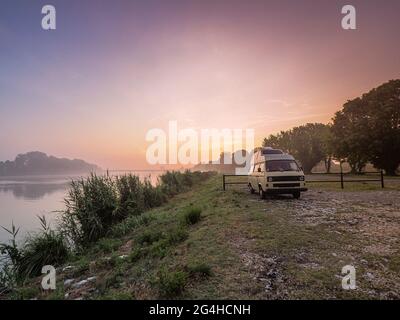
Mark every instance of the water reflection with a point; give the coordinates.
(33, 187)
(23, 198)
(32, 191)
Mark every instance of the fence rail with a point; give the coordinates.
(224, 183)
(342, 180)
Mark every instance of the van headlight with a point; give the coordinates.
(301, 178)
(269, 179)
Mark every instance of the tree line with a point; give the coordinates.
(36, 163)
(365, 130)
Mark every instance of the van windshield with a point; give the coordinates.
(281, 165)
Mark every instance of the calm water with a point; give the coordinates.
(23, 198)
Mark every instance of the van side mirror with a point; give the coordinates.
(259, 170)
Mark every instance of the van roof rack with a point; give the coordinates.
(269, 150)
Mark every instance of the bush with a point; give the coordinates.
(200, 269)
(171, 284)
(81, 266)
(44, 248)
(107, 245)
(96, 204)
(136, 254)
(177, 235)
(25, 293)
(160, 247)
(149, 236)
(90, 209)
(192, 216)
(130, 224)
(130, 196)
(97, 207)
(171, 183)
(152, 196)
(174, 182)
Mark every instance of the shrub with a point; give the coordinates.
(161, 246)
(25, 293)
(174, 182)
(44, 248)
(171, 182)
(96, 204)
(10, 256)
(171, 284)
(90, 209)
(130, 224)
(177, 235)
(152, 196)
(80, 266)
(192, 216)
(113, 279)
(136, 254)
(130, 196)
(107, 245)
(149, 236)
(200, 269)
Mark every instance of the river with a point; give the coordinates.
(23, 198)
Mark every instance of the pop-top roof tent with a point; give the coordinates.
(268, 153)
(269, 150)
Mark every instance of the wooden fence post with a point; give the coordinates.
(382, 181)
(223, 182)
(341, 179)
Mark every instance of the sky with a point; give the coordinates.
(113, 70)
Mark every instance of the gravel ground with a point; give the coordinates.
(369, 221)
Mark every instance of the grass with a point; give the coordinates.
(171, 283)
(99, 210)
(47, 247)
(107, 245)
(117, 295)
(192, 216)
(238, 247)
(96, 204)
(201, 269)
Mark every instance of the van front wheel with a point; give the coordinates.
(296, 195)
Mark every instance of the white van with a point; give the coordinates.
(274, 172)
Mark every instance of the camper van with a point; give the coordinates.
(275, 172)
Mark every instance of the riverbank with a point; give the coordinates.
(242, 248)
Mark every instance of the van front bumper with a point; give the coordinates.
(285, 190)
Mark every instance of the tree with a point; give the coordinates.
(309, 144)
(368, 129)
(348, 142)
